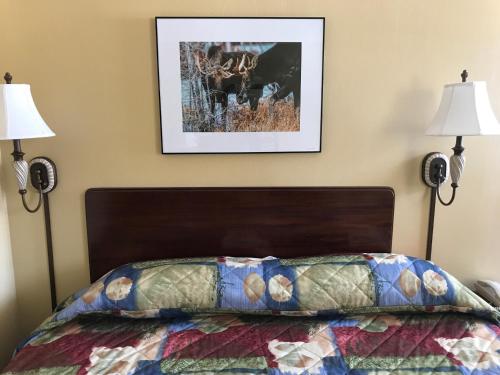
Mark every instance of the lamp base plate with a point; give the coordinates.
(46, 169)
(431, 165)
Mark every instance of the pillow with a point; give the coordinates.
(336, 284)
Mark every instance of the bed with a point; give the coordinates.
(258, 281)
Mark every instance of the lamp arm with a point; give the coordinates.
(37, 207)
(21, 169)
(452, 195)
(457, 165)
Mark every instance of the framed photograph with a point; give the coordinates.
(240, 85)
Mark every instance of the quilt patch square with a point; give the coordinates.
(172, 285)
(281, 291)
(324, 286)
(241, 286)
(402, 280)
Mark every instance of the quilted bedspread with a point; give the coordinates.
(357, 314)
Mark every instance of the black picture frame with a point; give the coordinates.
(164, 151)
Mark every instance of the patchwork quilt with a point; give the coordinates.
(357, 314)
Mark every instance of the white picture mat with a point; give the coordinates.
(172, 31)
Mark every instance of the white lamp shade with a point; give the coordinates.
(464, 110)
(19, 118)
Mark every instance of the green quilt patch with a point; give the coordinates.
(327, 286)
(209, 365)
(173, 286)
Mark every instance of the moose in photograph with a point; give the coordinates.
(222, 84)
(280, 65)
(220, 76)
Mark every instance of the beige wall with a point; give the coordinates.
(9, 329)
(92, 68)
(8, 307)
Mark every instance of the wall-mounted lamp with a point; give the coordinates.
(19, 119)
(465, 110)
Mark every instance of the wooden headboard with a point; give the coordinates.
(129, 225)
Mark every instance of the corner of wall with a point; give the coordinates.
(8, 300)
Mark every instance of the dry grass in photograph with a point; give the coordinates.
(280, 117)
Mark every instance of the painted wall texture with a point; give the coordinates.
(9, 332)
(92, 67)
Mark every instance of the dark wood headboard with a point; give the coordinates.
(130, 225)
